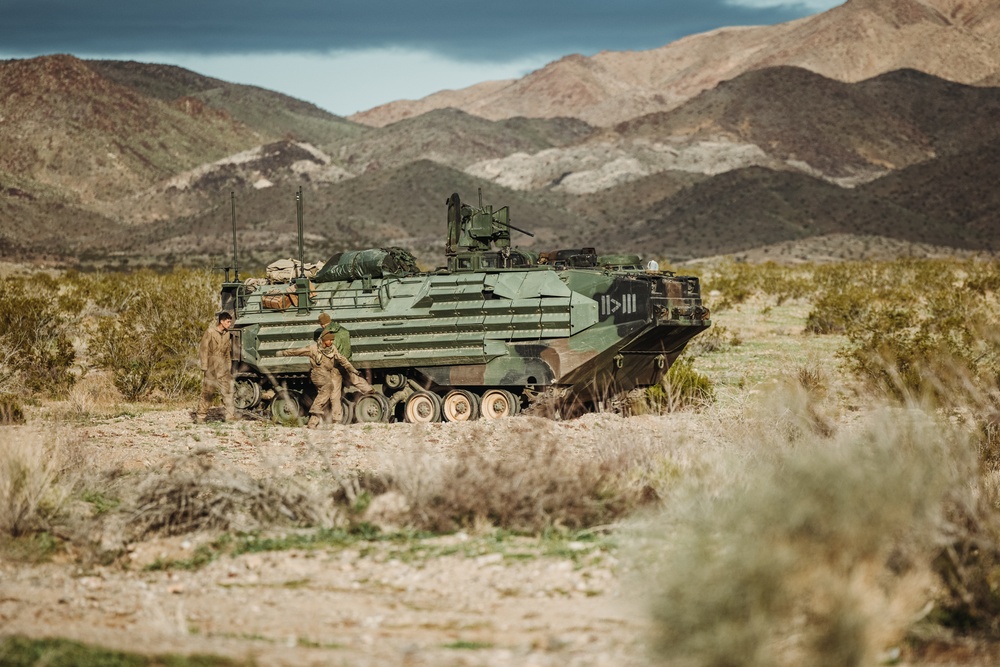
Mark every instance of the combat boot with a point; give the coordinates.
(314, 422)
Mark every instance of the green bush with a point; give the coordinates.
(834, 310)
(738, 281)
(983, 277)
(934, 337)
(682, 387)
(925, 327)
(149, 333)
(846, 292)
(143, 327)
(36, 352)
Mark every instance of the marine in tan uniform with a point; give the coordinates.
(216, 358)
(327, 366)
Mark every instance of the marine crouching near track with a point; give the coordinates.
(327, 364)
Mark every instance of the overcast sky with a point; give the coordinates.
(351, 55)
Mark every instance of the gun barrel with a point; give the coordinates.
(518, 229)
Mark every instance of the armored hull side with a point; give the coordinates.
(489, 334)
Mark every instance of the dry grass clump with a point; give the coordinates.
(820, 556)
(968, 560)
(11, 411)
(535, 483)
(94, 395)
(194, 494)
(33, 488)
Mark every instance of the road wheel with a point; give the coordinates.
(346, 411)
(498, 403)
(371, 408)
(460, 405)
(423, 407)
(515, 400)
(286, 408)
(246, 394)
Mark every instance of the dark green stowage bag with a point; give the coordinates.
(374, 262)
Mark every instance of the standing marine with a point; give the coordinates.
(328, 364)
(215, 355)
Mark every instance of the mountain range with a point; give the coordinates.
(867, 129)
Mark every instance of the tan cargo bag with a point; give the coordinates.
(279, 301)
(287, 270)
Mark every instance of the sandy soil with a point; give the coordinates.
(461, 599)
(337, 607)
(449, 600)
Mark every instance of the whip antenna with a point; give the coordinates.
(236, 257)
(298, 211)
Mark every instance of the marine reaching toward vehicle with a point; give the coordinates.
(496, 330)
(328, 363)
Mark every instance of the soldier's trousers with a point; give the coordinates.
(328, 394)
(210, 386)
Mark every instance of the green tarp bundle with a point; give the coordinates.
(374, 262)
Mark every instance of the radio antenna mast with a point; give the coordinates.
(236, 257)
(298, 211)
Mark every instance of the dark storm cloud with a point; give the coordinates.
(493, 30)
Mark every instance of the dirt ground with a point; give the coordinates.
(458, 599)
(450, 600)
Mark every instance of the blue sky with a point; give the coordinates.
(350, 56)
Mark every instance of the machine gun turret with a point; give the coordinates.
(479, 238)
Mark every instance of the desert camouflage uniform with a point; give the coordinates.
(326, 374)
(215, 355)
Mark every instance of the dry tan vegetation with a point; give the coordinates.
(800, 516)
(817, 552)
(32, 487)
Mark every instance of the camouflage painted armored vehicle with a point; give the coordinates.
(494, 331)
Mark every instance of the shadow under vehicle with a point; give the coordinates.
(495, 331)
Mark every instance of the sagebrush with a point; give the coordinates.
(820, 556)
(33, 484)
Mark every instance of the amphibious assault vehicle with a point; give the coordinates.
(496, 330)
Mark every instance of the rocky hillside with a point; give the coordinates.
(114, 162)
(67, 127)
(958, 40)
(269, 113)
